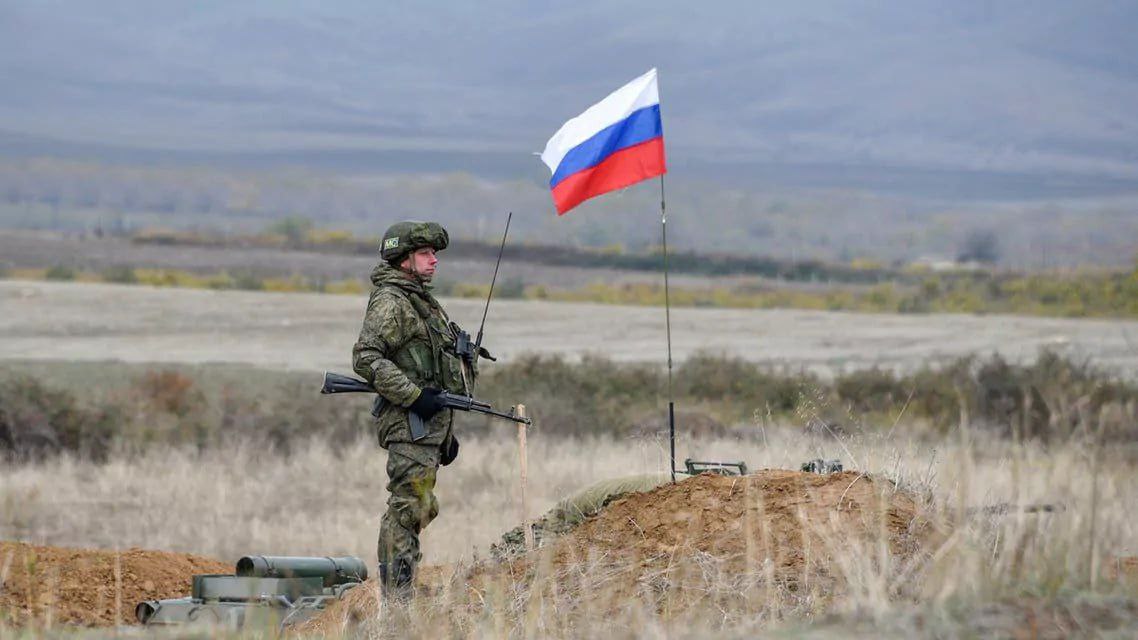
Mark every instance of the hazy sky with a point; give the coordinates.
(1043, 87)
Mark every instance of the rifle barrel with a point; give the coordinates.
(502, 414)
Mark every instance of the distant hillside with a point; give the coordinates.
(914, 98)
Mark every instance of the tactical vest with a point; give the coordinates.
(428, 358)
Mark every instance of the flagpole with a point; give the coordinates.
(668, 330)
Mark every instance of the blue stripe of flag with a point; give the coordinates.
(640, 126)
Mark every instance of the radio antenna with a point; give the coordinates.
(478, 340)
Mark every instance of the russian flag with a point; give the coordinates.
(617, 142)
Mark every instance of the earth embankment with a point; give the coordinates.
(46, 586)
(699, 542)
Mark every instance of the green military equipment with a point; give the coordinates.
(264, 591)
(818, 465)
(696, 467)
(406, 344)
(332, 571)
(404, 237)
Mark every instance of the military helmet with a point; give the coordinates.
(404, 237)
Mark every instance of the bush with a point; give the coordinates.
(169, 391)
(60, 272)
(294, 229)
(1051, 399)
(596, 396)
(870, 391)
(514, 288)
(38, 422)
(980, 245)
(120, 274)
(723, 379)
(248, 281)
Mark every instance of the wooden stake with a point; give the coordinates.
(526, 530)
(118, 589)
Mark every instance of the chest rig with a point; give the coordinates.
(429, 358)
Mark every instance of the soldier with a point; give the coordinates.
(406, 351)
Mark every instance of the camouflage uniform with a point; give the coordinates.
(407, 344)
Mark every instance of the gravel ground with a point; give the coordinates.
(73, 321)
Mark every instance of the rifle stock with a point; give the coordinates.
(336, 383)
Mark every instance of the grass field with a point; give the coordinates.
(998, 561)
(1039, 535)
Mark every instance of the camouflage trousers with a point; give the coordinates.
(412, 505)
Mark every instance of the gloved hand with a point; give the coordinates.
(450, 450)
(427, 404)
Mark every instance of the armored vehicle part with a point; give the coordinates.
(818, 465)
(696, 467)
(332, 571)
(266, 591)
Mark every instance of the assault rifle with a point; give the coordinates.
(336, 383)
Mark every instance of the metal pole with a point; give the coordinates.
(668, 330)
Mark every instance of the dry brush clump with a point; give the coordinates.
(38, 421)
(136, 408)
(1053, 399)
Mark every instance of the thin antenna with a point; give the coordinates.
(668, 325)
(478, 340)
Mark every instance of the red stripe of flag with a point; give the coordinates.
(621, 169)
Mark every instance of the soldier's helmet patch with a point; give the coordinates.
(391, 243)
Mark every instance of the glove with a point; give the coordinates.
(428, 403)
(450, 450)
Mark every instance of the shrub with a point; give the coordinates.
(870, 391)
(248, 281)
(169, 391)
(294, 229)
(980, 245)
(1051, 399)
(37, 421)
(596, 396)
(121, 274)
(60, 272)
(725, 379)
(514, 288)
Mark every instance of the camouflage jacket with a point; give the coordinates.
(407, 343)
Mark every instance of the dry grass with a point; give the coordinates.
(236, 501)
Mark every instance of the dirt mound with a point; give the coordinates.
(791, 531)
(709, 536)
(572, 511)
(44, 586)
(1122, 569)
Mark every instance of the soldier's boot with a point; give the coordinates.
(397, 579)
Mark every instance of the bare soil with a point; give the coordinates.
(312, 332)
(43, 586)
